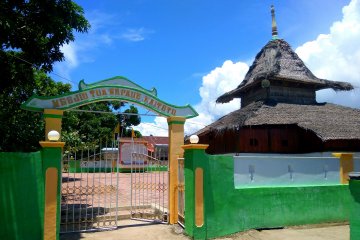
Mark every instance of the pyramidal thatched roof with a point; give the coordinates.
(277, 60)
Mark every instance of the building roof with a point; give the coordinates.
(156, 140)
(277, 60)
(327, 121)
(133, 140)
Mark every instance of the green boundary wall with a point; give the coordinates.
(229, 210)
(354, 186)
(22, 196)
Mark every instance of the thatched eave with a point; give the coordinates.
(327, 121)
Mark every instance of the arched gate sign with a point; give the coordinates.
(118, 89)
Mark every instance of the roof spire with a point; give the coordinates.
(274, 31)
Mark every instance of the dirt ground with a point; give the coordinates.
(135, 230)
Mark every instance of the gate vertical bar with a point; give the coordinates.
(73, 196)
(117, 181)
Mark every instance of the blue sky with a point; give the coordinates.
(193, 51)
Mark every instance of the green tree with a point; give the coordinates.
(128, 119)
(132, 119)
(22, 130)
(90, 127)
(94, 125)
(32, 33)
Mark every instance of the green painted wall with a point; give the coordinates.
(229, 210)
(21, 196)
(232, 210)
(354, 186)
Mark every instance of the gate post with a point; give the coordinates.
(196, 175)
(51, 156)
(176, 140)
(53, 118)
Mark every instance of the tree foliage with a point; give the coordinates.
(32, 33)
(132, 119)
(127, 120)
(22, 130)
(89, 127)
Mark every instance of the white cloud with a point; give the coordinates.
(218, 81)
(157, 128)
(336, 56)
(69, 51)
(135, 35)
(71, 61)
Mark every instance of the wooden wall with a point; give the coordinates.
(273, 139)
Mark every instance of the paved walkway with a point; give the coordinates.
(134, 230)
(110, 189)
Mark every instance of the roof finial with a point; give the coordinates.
(274, 31)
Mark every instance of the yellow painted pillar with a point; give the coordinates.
(346, 165)
(176, 140)
(52, 119)
(199, 197)
(51, 156)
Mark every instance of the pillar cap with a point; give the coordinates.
(47, 144)
(176, 120)
(339, 155)
(354, 175)
(54, 112)
(195, 146)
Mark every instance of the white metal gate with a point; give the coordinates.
(109, 182)
(89, 190)
(149, 183)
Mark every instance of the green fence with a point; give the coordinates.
(228, 209)
(21, 196)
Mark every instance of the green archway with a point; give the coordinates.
(116, 88)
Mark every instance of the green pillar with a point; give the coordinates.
(195, 168)
(51, 156)
(354, 185)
